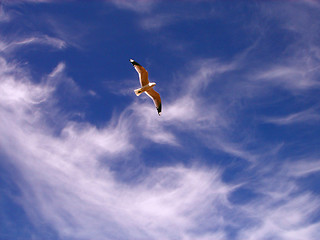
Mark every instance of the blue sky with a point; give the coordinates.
(235, 154)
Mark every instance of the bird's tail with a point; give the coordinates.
(138, 91)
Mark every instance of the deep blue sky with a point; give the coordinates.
(235, 154)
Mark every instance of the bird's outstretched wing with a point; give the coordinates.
(143, 74)
(156, 99)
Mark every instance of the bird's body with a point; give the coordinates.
(146, 86)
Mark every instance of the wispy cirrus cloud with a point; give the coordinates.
(279, 207)
(287, 220)
(140, 6)
(155, 22)
(159, 20)
(73, 34)
(68, 177)
(303, 167)
(42, 40)
(188, 110)
(58, 34)
(295, 66)
(4, 16)
(70, 180)
(67, 172)
(291, 77)
(8, 2)
(57, 70)
(186, 106)
(306, 116)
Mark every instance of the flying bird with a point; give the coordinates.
(146, 86)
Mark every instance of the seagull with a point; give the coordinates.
(146, 86)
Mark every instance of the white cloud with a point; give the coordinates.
(139, 6)
(303, 167)
(42, 39)
(188, 110)
(205, 71)
(155, 22)
(287, 220)
(4, 16)
(294, 66)
(10, 2)
(306, 116)
(282, 209)
(291, 77)
(66, 175)
(58, 69)
(69, 180)
(205, 114)
(69, 30)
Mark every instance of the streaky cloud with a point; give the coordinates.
(42, 40)
(139, 6)
(289, 220)
(68, 178)
(306, 116)
(303, 167)
(291, 77)
(57, 70)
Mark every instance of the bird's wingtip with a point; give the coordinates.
(159, 108)
(134, 62)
